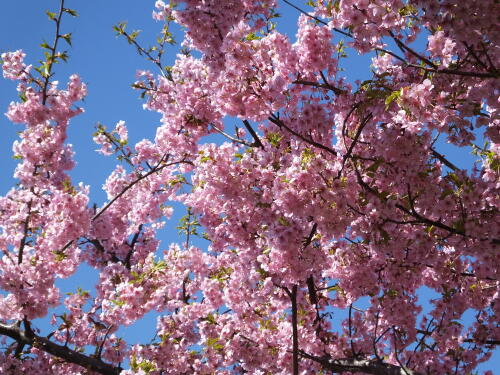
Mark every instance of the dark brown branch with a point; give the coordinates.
(281, 124)
(325, 86)
(412, 212)
(494, 75)
(132, 245)
(157, 168)
(63, 352)
(257, 141)
(185, 295)
(317, 19)
(51, 58)
(25, 235)
(433, 68)
(295, 334)
(403, 47)
(97, 244)
(311, 288)
(474, 341)
(438, 224)
(141, 51)
(354, 141)
(475, 56)
(366, 366)
(396, 351)
(443, 160)
(308, 240)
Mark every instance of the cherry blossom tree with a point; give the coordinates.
(328, 193)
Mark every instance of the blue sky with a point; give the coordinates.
(108, 65)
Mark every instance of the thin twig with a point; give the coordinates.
(230, 137)
(281, 124)
(50, 59)
(317, 19)
(25, 235)
(325, 86)
(354, 141)
(133, 183)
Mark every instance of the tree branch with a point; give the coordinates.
(25, 235)
(317, 19)
(443, 160)
(51, 58)
(234, 139)
(257, 141)
(295, 335)
(354, 141)
(325, 86)
(281, 124)
(366, 366)
(157, 168)
(63, 352)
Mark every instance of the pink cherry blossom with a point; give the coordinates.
(329, 232)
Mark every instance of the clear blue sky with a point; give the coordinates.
(108, 65)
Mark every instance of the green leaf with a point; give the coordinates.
(118, 302)
(205, 159)
(222, 274)
(67, 38)
(59, 255)
(52, 16)
(274, 138)
(211, 319)
(306, 157)
(63, 56)
(71, 12)
(22, 96)
(375, 165)
(252, 36)
(45, 45)
(120, 28)
(213, 342)
(283, 221)
(395, 95)
(335, 288)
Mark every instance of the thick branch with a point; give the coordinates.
(325, 86)
(60, 351)
(257, 141)
(457, 72)
(443, 160)
(365, 366)
(295, 334)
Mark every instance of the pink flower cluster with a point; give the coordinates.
(13, 65)
(329, 219)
